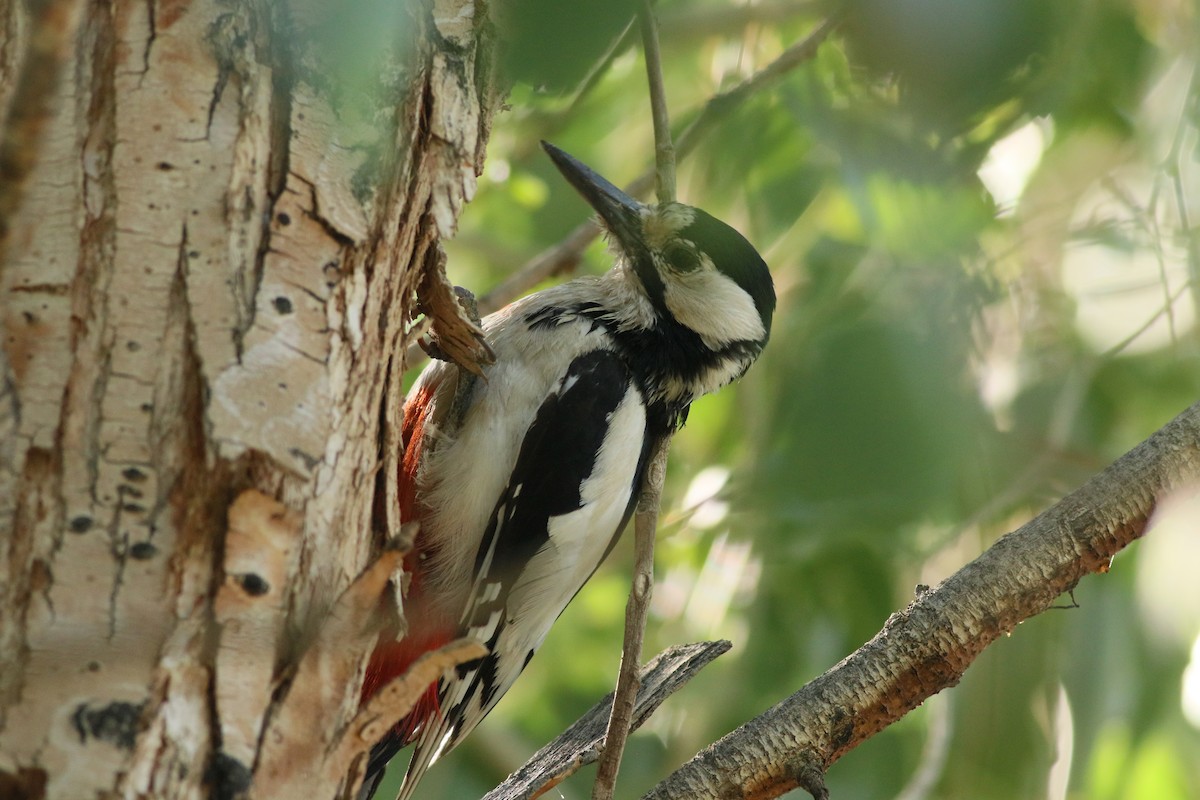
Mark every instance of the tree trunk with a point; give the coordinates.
(214, 223)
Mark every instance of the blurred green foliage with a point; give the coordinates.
(977, 216)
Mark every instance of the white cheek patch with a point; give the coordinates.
(712, 304)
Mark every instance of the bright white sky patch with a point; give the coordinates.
(1167, 592)
(497, 170)
(701, 499)
(729, 568)
(1011, 161)
(1128, 282)
(1058, 780)
(1191, 687)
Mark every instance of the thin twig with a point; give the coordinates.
(645, 524)
(1172, 298)
(563, 256)
(686, 25)
(664, 150)
(723, 104)
(580, 744)
(550, 121)
(1191, 239)
(592, 79)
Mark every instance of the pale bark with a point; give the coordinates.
(205, 289)
(208, 251)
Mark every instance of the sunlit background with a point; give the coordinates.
(982, 222)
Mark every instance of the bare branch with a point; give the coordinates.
(638, 606)
(929, 645)
(636, 610)
(598, 70)
(562, 257)
(687, 25)
(1172, 168)
(579, 745)
(664, 150)
(721, 105)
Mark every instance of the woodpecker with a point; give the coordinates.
(523, 479)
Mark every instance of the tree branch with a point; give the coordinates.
(579, 745)
(929, 645)
(664, 150)
(636, 610)
(646, 526)
(687, 25)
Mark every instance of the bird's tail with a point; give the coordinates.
(435, 740)
(462, 708)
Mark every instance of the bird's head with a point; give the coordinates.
(695, 270)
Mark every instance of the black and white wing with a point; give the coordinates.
(570, 494)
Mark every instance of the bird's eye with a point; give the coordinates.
(681, 258)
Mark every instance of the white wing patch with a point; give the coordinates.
(579, 540)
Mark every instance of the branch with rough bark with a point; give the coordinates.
(928, 646)
(581, 743)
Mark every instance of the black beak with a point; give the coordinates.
(620, 212)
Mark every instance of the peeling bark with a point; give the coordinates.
(205, 289)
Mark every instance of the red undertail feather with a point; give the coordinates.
(412, 431)
(392, 658)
